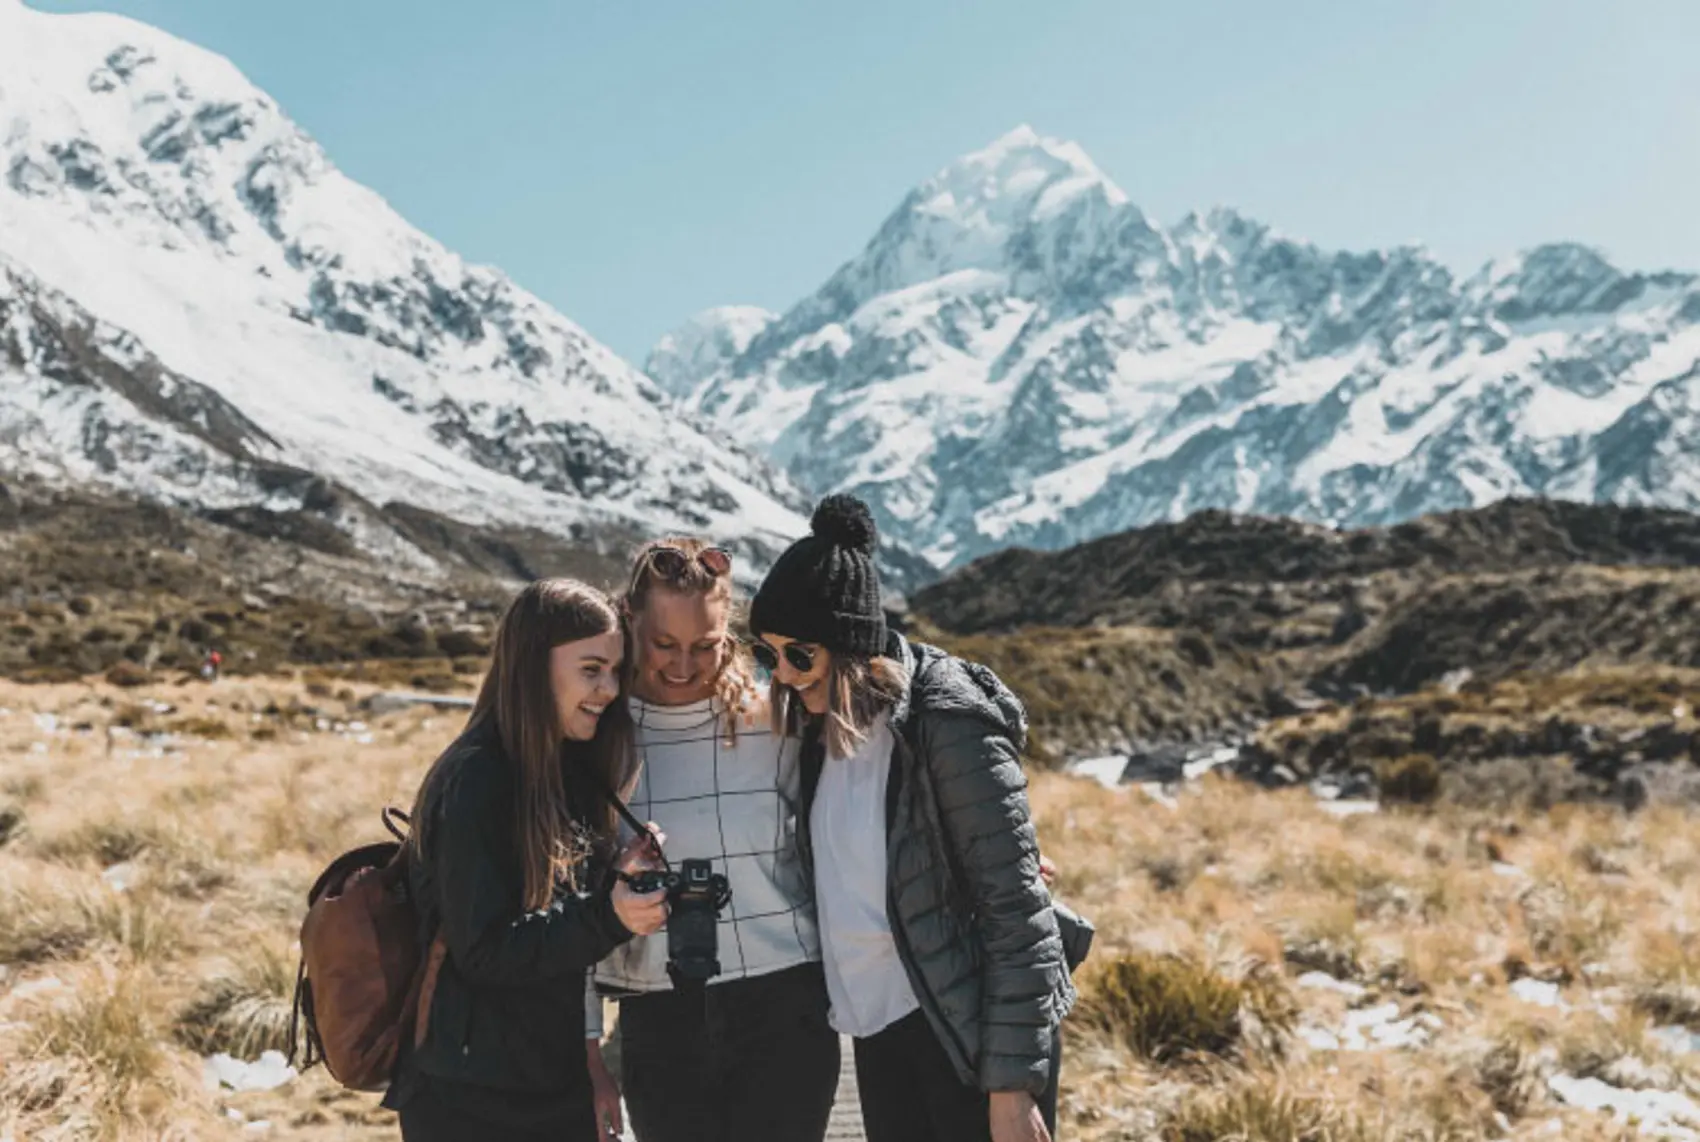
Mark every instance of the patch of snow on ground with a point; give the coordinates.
(1538, 992)
(269, 1072)
(1106, 771)
(1665, 1114)
(1372, 1028)
(1676, 1039)
(1322, 981)
(1348, 808)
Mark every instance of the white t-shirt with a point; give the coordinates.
(865, 979)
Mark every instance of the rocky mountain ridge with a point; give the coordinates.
(196, 306)
(1020, 356)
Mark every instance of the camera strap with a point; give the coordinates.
(637, 826)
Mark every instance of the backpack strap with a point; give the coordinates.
(425, 987)
(390, 816)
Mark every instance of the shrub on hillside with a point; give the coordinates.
(461, 643)
(201, 727)
(129, 674)
(1414, 779)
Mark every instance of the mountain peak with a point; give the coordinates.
(1019, 357)
(1023, 205)
(1020, 173)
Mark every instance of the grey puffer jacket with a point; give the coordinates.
(971, 917)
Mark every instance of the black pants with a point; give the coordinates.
(750, 1060)
(911, 1093)
(426, 1116)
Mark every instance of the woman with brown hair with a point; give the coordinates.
(749, 1054)
(942, 951)
(515, 867)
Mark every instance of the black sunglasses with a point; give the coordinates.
(671, 562)
(801, 658)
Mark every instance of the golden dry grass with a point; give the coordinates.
(150, 899)
(151, 886)
(1432, 912)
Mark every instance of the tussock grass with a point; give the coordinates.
(45, 917)
(1437, 911)
(244, 1009)
(1270, 1110)
(178, 862)
(1670, 1003)
(106, 842)
(42, 917)
(1509, 1075)
(103, 1048)
(1171, 1008)
(11, 823)
(137, 922)
(25, 787)
(1434, 911)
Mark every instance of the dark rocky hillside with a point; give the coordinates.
(1478, 652)
(1135, 576)
(91, 583)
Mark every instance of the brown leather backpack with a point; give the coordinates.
(364, 978)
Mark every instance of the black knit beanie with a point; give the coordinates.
(825, 588)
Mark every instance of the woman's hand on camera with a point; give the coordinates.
(642, 852)
(642, 913)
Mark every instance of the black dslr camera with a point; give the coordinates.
(696, 894)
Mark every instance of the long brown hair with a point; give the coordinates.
(518, 701)
(735, 684)
(858, 690)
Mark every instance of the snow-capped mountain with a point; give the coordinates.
(196, 305)
(705, 344)
(1021, 356)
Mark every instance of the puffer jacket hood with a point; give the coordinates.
(940, 683)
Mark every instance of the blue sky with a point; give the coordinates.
(633, 162)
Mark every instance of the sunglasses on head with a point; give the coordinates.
(801, 658)
(671, 563)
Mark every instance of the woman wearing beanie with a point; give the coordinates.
(941, 948)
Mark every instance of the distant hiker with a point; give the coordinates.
(749, 1055)
(942, 950)
(514, 867)
(210, 665)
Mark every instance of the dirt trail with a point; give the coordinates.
(846, 1124)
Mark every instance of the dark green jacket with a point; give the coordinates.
(509, 1006)
(970, 914)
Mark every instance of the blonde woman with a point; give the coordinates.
(749, 1055)
(940, 945)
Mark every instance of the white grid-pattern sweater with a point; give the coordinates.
(734, 802)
